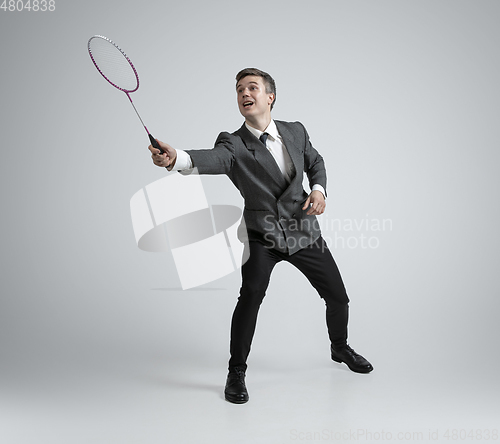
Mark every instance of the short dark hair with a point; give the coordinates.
(268, 80)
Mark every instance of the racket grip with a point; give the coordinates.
(155, 143)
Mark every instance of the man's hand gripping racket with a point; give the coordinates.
(164, 156)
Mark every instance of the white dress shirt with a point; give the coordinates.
(275, 146)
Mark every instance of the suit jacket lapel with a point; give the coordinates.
(262, 156)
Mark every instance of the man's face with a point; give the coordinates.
(253, 101)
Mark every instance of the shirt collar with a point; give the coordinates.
(271, 129)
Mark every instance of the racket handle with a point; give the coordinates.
(155, 143)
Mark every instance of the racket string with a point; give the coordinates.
(113, 64)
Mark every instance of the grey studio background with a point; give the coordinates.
(99, 345)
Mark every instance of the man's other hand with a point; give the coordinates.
(315, 202)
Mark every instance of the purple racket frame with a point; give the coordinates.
(126, 91)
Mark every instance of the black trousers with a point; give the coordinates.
(316, 263)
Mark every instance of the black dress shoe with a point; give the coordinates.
(236, 390)
(354, 361)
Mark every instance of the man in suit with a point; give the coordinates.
(265, 159)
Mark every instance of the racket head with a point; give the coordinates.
(113, 64)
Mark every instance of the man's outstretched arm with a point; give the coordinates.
(217, 160)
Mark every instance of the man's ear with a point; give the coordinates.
(271, 98)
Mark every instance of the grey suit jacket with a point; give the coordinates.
(273, 211)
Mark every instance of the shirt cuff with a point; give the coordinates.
(183, 162)
(318, 187)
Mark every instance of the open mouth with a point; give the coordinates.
(247, 104)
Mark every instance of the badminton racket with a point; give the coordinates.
(117, 69)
